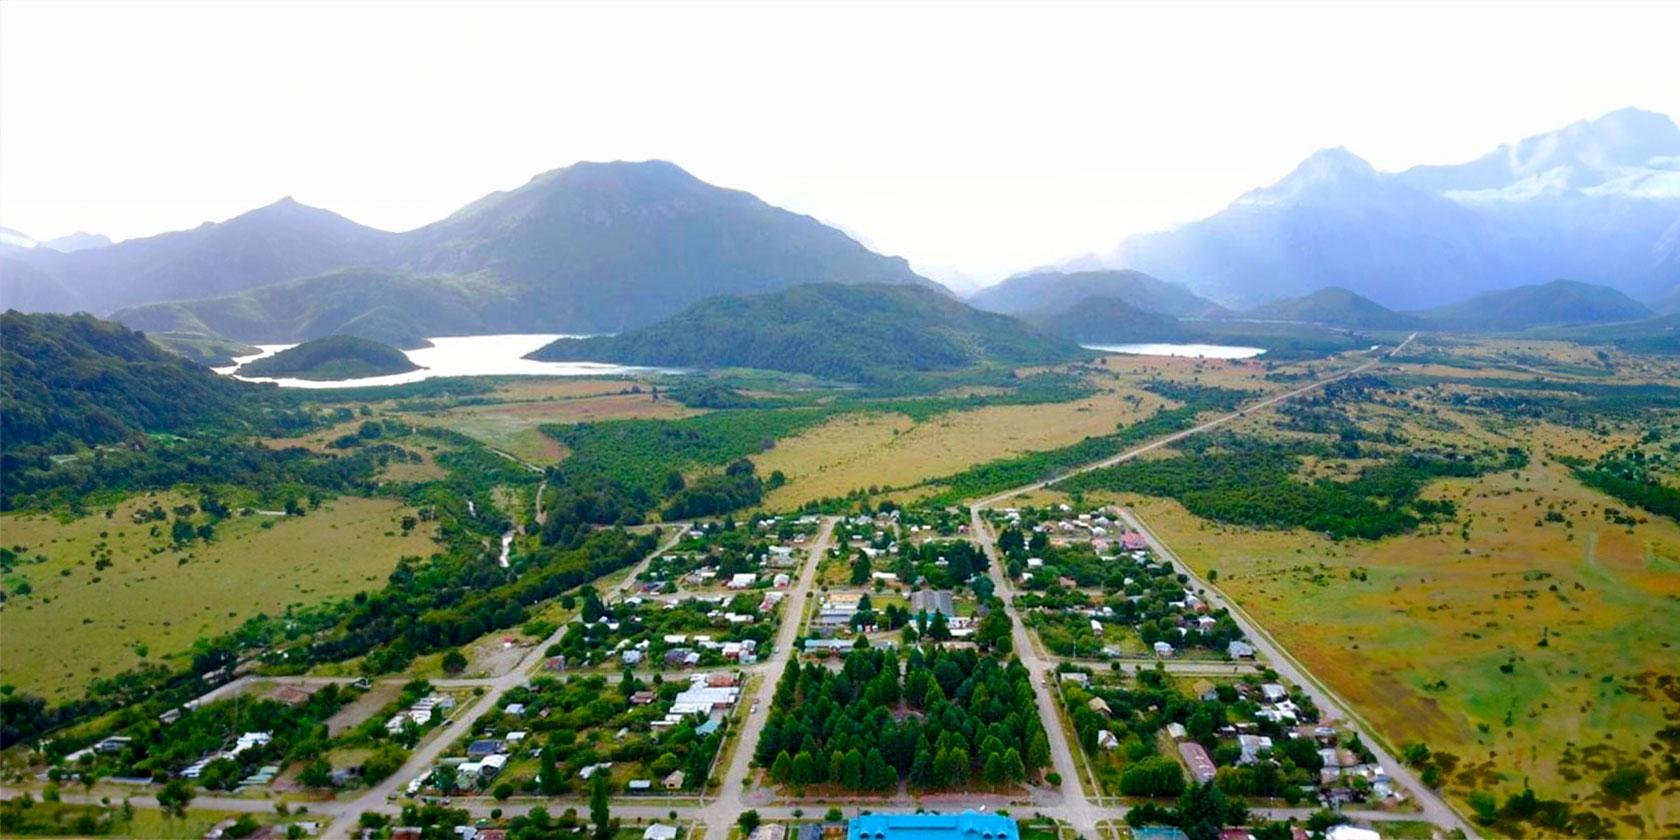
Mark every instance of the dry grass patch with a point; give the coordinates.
(863, 450)
(80, 623)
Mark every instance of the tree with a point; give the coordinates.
(782, 769)
(861, 569)
(748, 821)
(502, 792)
(549, 781)
(444, 778)
(940, 629)
(598, 811)
(454, 662)
(316, 774)
(1625, 782)
(175, 797)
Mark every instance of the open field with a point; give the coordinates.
(79, 622)
(1417, 644)
(512, 426)
(863, 450)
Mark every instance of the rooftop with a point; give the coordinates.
(965, 826)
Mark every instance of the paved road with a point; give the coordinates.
(1075, 808)
(426, 754)
(1168, 440)
(727, 806)
(1435, 809)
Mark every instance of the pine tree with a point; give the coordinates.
(598, 812)
(1038, 751)
(803, 769)
(782, 768)
(994, 770)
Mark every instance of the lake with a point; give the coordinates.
(460, 355)
(1194, 351)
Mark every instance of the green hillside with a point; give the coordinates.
(1558, 303)
(853, 332)
(1336, 307)
(70, 381)
(1107, 320)
(387, 306)
(330, 358)
(1056, 291)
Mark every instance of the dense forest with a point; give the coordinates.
(971, 721)
(333, 357)
(73, 381)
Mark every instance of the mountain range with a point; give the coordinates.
(1595, 201)
(591, 247)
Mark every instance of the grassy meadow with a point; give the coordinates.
(1530, 639)
(153, 601)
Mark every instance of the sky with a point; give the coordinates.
(974, 139)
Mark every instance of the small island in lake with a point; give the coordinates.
(330, 358)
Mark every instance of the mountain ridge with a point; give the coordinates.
(589, 247)
(1596, 200)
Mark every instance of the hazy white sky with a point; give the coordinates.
(982, 137)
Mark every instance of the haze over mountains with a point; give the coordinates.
(1595, 201)
(608, 247)
(589, 248)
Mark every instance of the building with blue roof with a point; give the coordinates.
(967, 825)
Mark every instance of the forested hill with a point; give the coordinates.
(853, 332)
(1110, 320)
(333, 357)
(1558, 303)
(1055, 291)
(69, 381)
(1337, 307)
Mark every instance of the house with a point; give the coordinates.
(722, 679)
(642, 698)
(1077, 678)
(932, 602)
(743, 580)
(884, 577)
(489, 746)
(1348, 832)
(827, 647)
(592, 769)
(1239, 650)
(631, 657)
(1100, 706)
(1205, 691)
(1274, 692)
(674, 781)
(1252, 746)
(770, 831)
(967, 825)
(1107, 741)
(1163, 649)
(1035, 562)
(1177, 731)
(640, 785)
(660, 831)
(515, 709)
(1200, 764)
(1096, 627)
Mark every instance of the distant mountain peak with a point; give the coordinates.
(81, 240)
(1330, 170)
